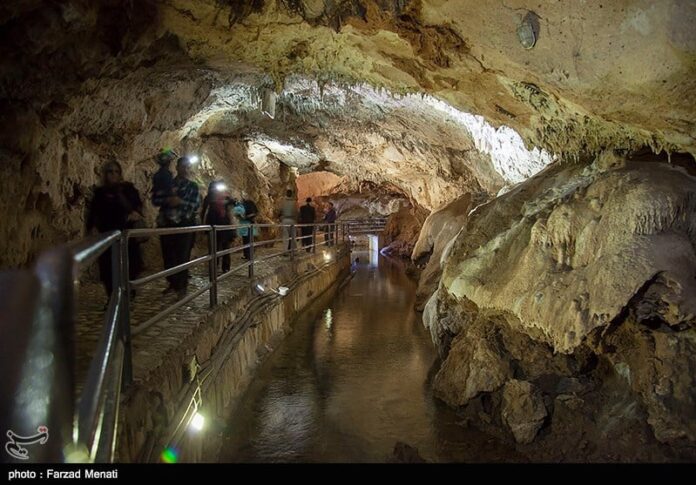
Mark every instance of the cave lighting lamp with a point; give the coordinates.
(194, 158)
(197, 422)
(220, 187)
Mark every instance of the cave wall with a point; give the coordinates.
(574, 293)
(439, 228)
(402, 229)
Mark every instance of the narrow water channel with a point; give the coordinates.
(351, 381)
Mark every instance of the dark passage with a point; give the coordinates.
(350, 382)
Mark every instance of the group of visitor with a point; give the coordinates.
(116, 205)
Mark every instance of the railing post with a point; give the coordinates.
(314, 239)
(292, 241)
(124, 284)
(212, 266)
(251, 251)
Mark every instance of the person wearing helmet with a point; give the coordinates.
(162, 180)
(217, 205)
(162, 188)
(180, 209)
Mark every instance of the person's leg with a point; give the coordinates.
(219, 246)
(105, 273)
(135, 262)
(181, 251)
(167, 253)
(306, 237)
(286, 237)
(227, 259)
(293, 234)
(189, 239)
(246, 240)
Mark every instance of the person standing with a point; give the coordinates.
(244, 227)
(330, 218)
(249, 217)
(116, 206)
(250, 208)
(308, 215)
(288, 217)
(162, 188)
(217, 206)
(179, 210)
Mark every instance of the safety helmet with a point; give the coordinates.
(166, 156)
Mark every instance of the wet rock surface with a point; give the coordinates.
(612, 363)
(523, 409)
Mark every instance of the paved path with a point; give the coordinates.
(160, 338)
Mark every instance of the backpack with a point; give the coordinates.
(250, 208)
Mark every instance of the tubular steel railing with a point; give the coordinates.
(365, 226)
(43, 387)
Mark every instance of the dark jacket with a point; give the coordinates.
(216, 209)
(111, 205)
(162, 184)
(330, 216)
(307, 214)
(250, 210)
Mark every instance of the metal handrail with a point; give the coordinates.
(52, 338)
(91, 423)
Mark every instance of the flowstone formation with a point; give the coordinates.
(577, 290)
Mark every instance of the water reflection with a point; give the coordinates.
(350, 382)
(374, 257)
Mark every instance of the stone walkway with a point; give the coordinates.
(149, 301)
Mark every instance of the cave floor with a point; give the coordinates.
(167, 334)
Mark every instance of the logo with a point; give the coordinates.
(14, 446)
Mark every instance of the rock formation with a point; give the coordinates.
(579, 283)
(438, 230)
(402, 230)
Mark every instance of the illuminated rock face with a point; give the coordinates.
(439, 229)
(584, 273)
(599, 75)
(380, 145)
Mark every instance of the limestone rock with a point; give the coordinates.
(581, 280)
(523, 410)
(402, 230)
(438, 229)
(584, 85)
(475, 364)
(538, 251)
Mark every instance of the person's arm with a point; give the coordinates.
(159, 196)
(205, 207)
